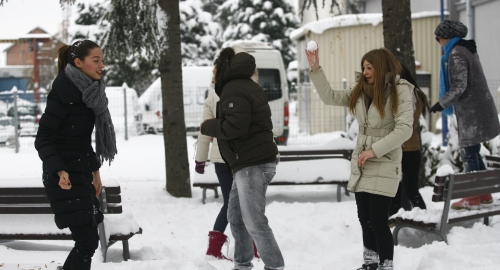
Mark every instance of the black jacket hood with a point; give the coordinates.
(241, 66)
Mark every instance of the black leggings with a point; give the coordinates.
(86, 242)
(408, 195)
(225, 181)
(372, 214)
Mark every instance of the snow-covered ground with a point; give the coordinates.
(313, 230)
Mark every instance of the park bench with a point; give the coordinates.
(26, 215)
(447, 188)
(298, 166)
(492, 162)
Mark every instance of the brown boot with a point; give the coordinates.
(215, 243)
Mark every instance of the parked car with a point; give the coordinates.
(7, 131)
(116, 106)
(196, 82)
(28, 118)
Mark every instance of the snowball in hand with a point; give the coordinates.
(312, 46)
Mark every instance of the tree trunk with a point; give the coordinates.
(398, 39)
(398, 31)
(174, 127)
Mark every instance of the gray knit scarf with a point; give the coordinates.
(94, 96)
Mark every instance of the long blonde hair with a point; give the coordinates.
(383, 62)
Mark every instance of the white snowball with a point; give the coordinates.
(312, 46)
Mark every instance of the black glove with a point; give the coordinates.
(437, 108)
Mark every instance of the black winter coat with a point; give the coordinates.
(243, 127)
(64, 142)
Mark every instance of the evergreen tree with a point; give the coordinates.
(135, 70)
(198, 32)
(259, 20)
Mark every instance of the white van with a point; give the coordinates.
(272, 78)
(196, 81)
(118, 111)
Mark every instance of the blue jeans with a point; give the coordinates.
(246, 215)
(472, 159)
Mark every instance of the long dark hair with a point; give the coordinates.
(79, 49)
(419, 94)
(221, 64)
(383, 62)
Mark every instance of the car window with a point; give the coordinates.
(270, 81)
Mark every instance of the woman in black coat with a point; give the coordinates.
(71, 177)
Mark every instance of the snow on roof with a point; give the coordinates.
(36, 35)
(318, 27)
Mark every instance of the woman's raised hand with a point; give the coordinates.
(312, 58)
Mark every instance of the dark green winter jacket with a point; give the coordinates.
(243, 125)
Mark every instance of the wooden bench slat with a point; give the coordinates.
(22, 191)
(475, 175)
(314, 152)
(440, 179)
(41, 191)
(24, 200)
(492, 158)
(40, 209)
(473, 192)
(438, 197)
(438, 189)
(26, 210)
(116, 237)
(476, 182)
(284, 159)
(476, 216)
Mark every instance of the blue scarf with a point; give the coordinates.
(444, 81)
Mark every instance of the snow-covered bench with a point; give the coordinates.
(492, 162)
(26, 215)
(447, 188)
(299, 166)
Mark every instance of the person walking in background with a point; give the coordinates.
(463, 90)
(412, 155)
(243, 129)
(382, 104)
(71, 176)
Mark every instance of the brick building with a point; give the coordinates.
(20, 59)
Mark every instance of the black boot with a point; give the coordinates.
(373, 266)
(417, 202)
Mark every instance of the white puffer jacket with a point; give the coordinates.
(379, 175)
(203, 143)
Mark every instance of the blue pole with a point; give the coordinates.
(444, 118)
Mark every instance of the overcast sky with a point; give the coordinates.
(18, 17)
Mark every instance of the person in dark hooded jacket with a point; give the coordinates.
(243, 129)
(463, 90)
(71, 176)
